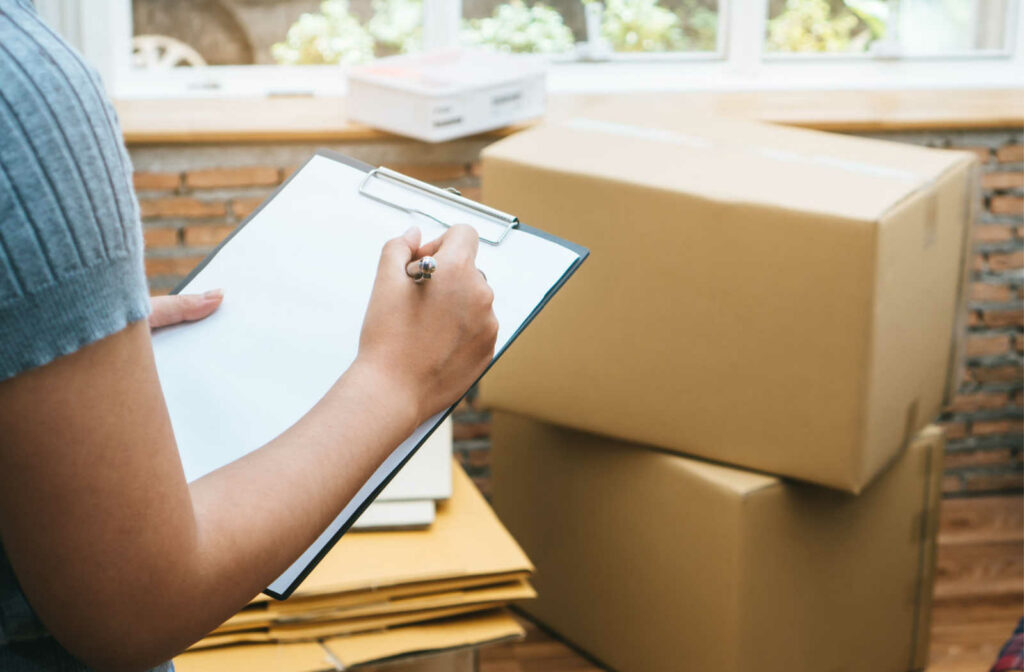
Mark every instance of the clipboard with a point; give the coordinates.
(394, 193)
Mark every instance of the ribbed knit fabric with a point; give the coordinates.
(70, 245)
(70, 242)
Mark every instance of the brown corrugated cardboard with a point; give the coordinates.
(472, 630)
(651, 561)
(774, 298)
(441, 647)
(466, 540)
(308, 631)
(415, 604)
(303, 607)
(301, 657)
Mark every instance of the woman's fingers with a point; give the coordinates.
(168, 310)
(460, 240)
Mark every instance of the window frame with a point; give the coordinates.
(738, 63)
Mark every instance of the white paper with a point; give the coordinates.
(400, 515)
(297, 280)
(427, 474)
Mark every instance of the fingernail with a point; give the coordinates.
(213, 294)
(411, 232)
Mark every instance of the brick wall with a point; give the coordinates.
(192, 197)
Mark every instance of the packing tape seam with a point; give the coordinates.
(685, 140)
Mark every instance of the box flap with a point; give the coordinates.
(300, 657)
(451, 634)
(738, 481)
(731, 161)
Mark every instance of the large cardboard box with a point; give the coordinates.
(655, 562)
(774, 298)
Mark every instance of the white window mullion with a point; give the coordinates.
(441, 22)
(744, 26)
(100, 30)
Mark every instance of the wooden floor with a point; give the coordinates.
(979, 596)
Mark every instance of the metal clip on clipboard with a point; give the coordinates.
(450, 196)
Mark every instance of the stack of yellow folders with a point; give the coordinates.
(383, 595)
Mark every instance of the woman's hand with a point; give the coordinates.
(431, 340)
(177, 308)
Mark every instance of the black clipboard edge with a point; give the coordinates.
(581, 252)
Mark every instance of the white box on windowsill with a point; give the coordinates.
(447, 94)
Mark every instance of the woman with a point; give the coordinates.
(110, 559)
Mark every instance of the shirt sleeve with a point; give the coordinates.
(71, 268)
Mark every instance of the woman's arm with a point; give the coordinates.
(124, 562)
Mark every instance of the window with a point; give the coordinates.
(887, 28)
(287, 32)
(158, 48)
(591, 29)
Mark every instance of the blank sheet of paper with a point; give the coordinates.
(297, 280)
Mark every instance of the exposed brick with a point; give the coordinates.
(160, 291)
(952, 484)
(246, 176)
(156, 181)
(1003, 318)
(1006, 205)
(470, 430)
(974, 319)
(288, 171)
(995, 427)
(993, 482)
(990, 292)
(432, 172)
(992, 234)
(1005, 261)
(979, 458)
(1018, 342)
(1006, 180)
(206, 236)
(1010, 154)
(997, 374)
(476, 168)
(243, 207)
(954, 430)
(483, 484)
(172, 265)
(181, 206)
(477, 459)
(977, 346)
(969, 403)
(160, 237)
(978, 263)
(983, 153)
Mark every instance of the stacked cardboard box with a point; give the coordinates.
(774, 300)
(381, 595)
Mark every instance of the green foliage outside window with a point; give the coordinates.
(646, 26)
(516, 27)
(818, 26)
(397, 25)
(335, 35)
(331, 36)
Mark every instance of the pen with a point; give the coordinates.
(421, 269)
